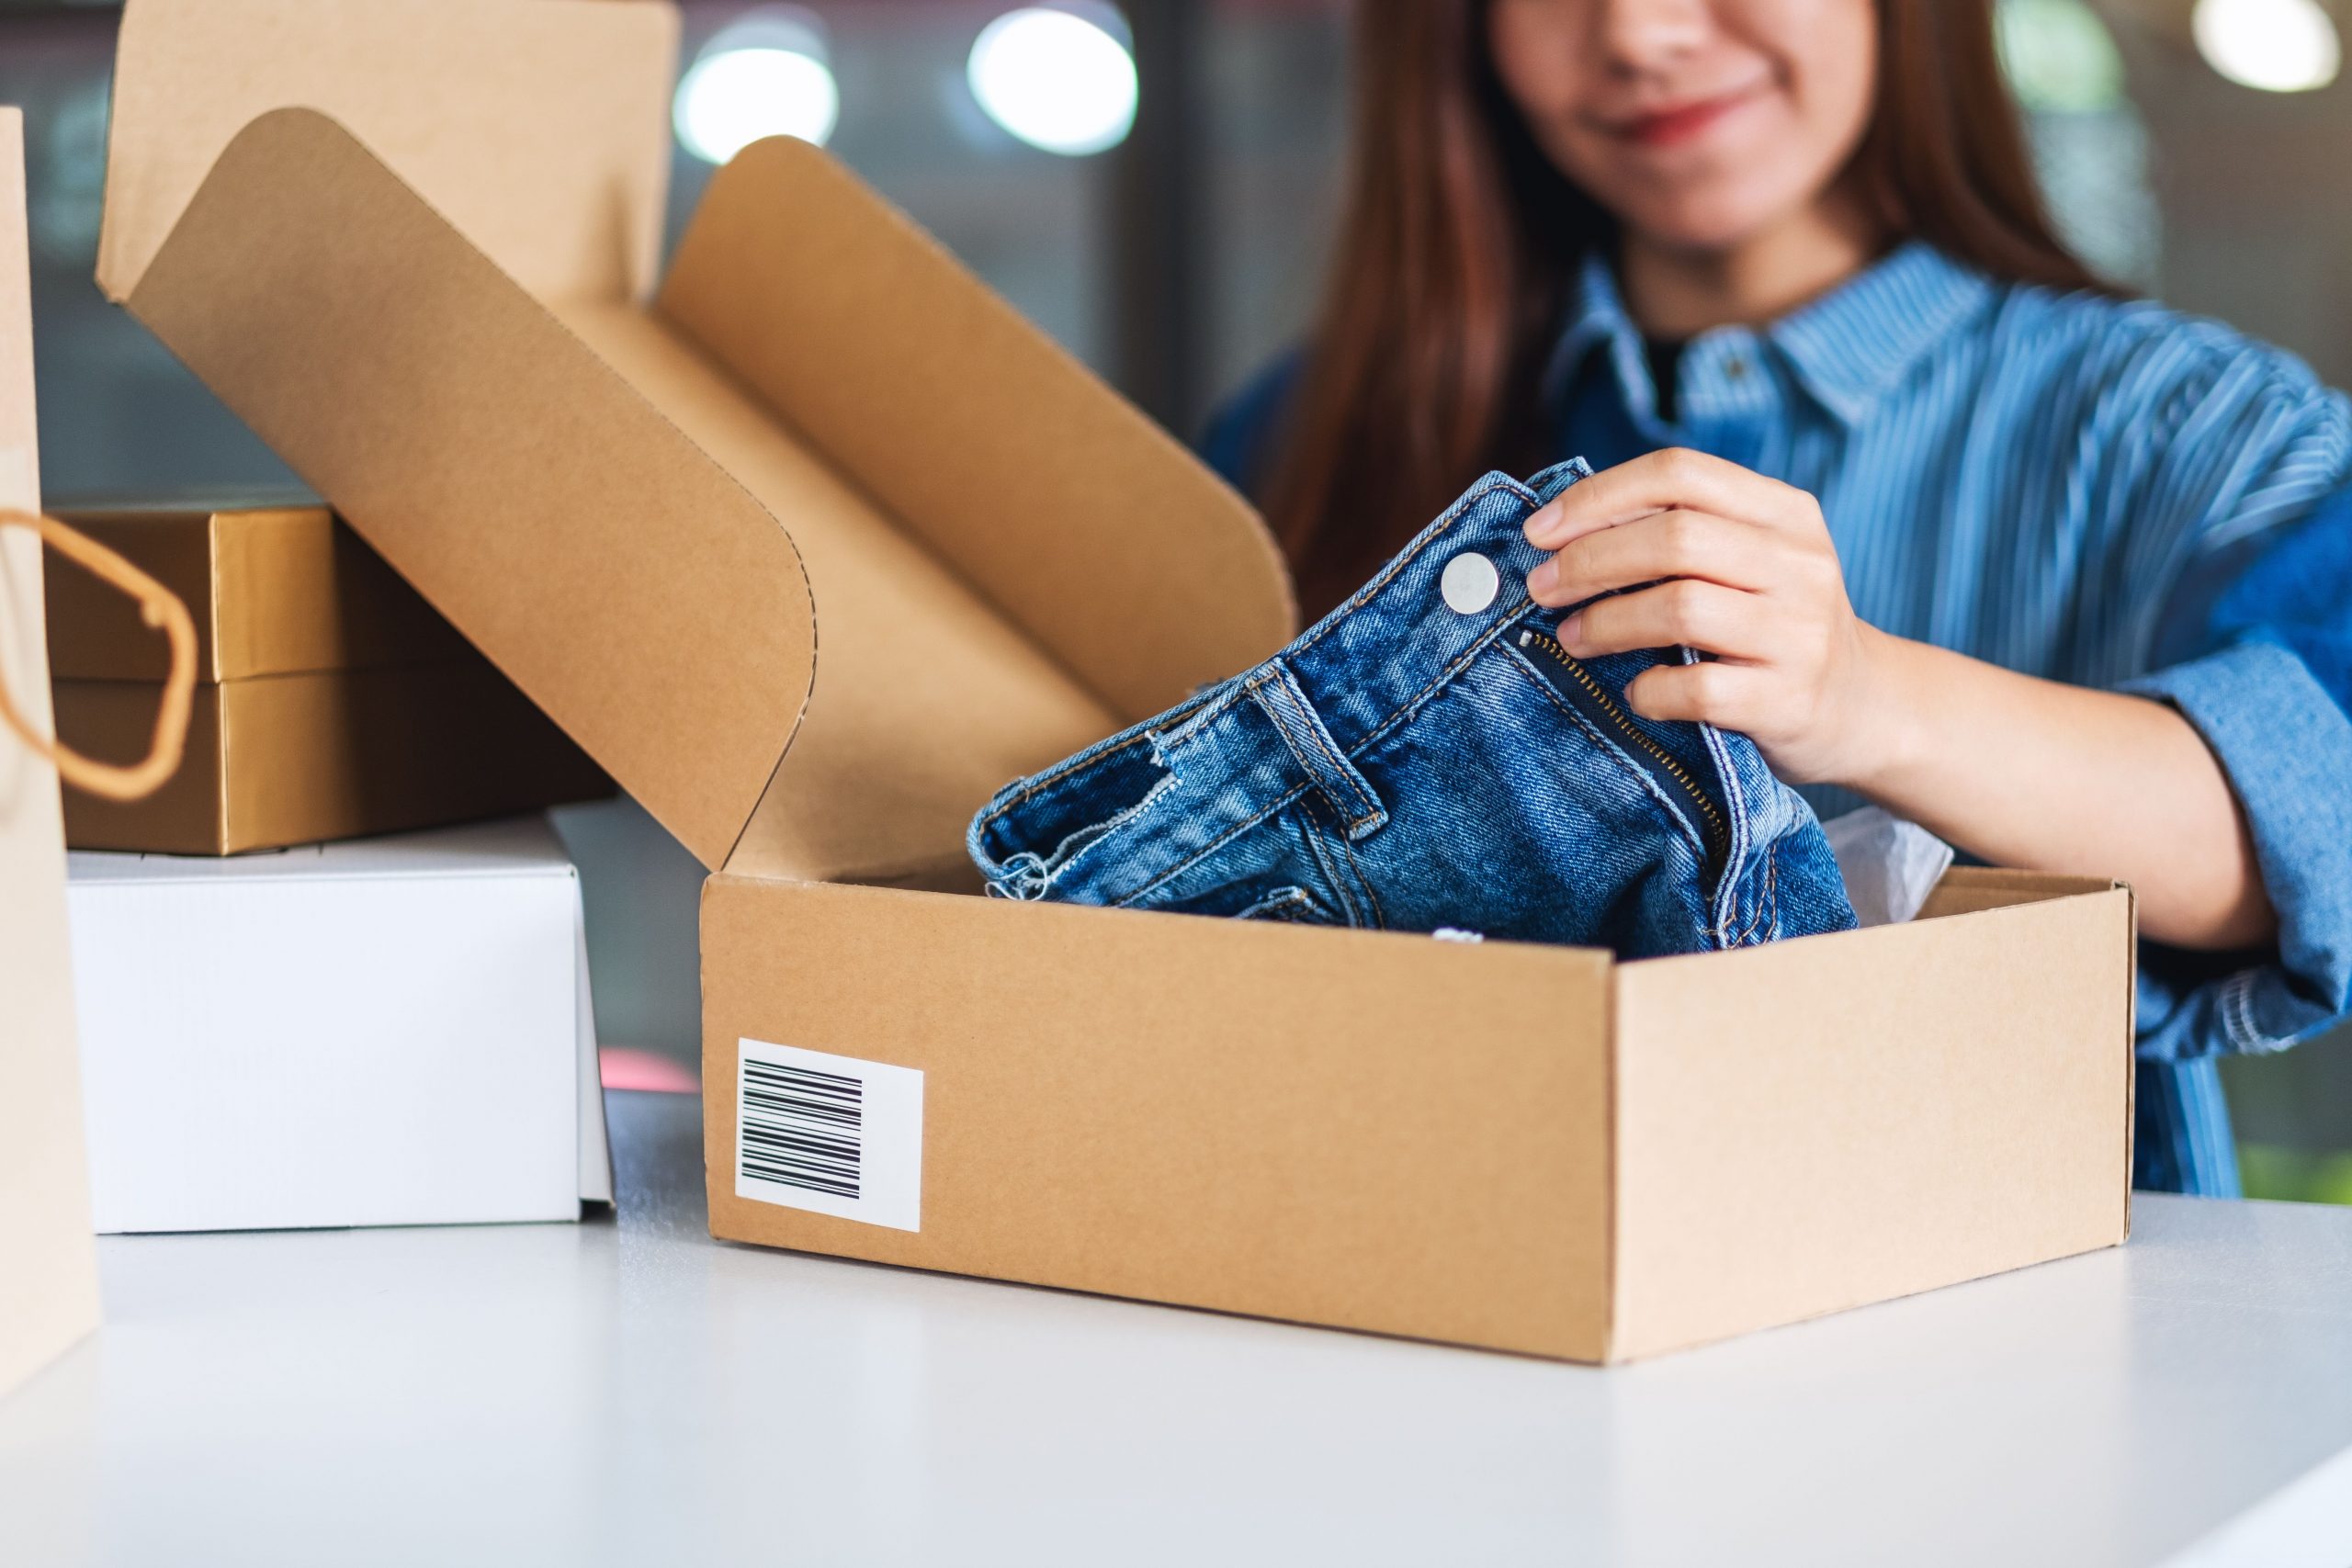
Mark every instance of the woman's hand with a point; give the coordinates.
(1740, 567)
(2020, 770)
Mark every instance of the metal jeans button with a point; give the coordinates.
(1470, 582)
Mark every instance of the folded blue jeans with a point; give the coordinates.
(1429, 758)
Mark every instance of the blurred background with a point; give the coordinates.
(1154, 184)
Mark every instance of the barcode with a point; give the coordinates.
(802, 1128)
(832, 1135)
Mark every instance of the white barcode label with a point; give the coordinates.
(831, 1134)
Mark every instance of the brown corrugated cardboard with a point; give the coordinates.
(1376, 1131)
(582, 103)
(305, 759)
(332, 700)
(275, 590)
(49, 1272)
(1793, 1121)
(1528, 1148)
(824, 544)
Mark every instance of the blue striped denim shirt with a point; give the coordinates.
(2096, 491)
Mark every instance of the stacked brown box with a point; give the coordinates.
(331, 700)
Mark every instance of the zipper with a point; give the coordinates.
(1581, 688)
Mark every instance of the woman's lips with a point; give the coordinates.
(1667, 128)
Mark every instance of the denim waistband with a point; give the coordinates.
(1398, 640)
(1285, 731)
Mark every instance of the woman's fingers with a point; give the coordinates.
(1705, 615)
(1678, 543)
(1729, 696)
(1674, 479)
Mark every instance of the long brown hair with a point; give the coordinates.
(1460, 239)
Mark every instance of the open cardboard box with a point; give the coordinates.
(818, 543)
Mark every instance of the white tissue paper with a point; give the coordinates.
(1890, 865)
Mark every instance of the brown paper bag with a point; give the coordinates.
(49, 1283)
(49, 1277)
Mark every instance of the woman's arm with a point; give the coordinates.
(2021, 772)
(2031, 772)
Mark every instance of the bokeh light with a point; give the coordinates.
(1056, 78)
(2278, 46)
(765, 75)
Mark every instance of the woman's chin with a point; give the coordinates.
(1696, 227)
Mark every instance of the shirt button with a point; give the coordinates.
(1736, 369)
(1470, 582)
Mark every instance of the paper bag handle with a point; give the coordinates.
(158, 606)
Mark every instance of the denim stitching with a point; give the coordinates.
(1609, 749)
(1755, 916)
(1283, 729)
(1736, 810)
(1641, 738)
(1071, 767)
(1311, 834)
(1404, 710)
(1445, 677)
(1764, 899)
(1212, 846)
(1114, 827)
(1047, 780)
(1379, 916)
(1264, 908)
(1341, 768)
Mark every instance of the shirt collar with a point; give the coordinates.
(1595, 316)
(1848, 348)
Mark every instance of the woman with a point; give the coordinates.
(1967, 533)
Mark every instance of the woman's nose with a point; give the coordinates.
(1636, 35)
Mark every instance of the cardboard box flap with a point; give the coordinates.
(927, 698)
(632, 588)
(540, 130)
(1123, 557)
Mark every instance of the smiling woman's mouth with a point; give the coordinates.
(1666, 128)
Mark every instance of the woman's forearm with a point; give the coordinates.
(2050, 777)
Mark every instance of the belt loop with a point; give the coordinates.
(1277, 691)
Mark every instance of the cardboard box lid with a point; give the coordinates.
(540, 130)
(629, 582)
(275, 590)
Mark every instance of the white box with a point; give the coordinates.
(390, 1031)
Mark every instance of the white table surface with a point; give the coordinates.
(625, 1391)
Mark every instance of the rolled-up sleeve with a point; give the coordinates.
(2285, 742)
